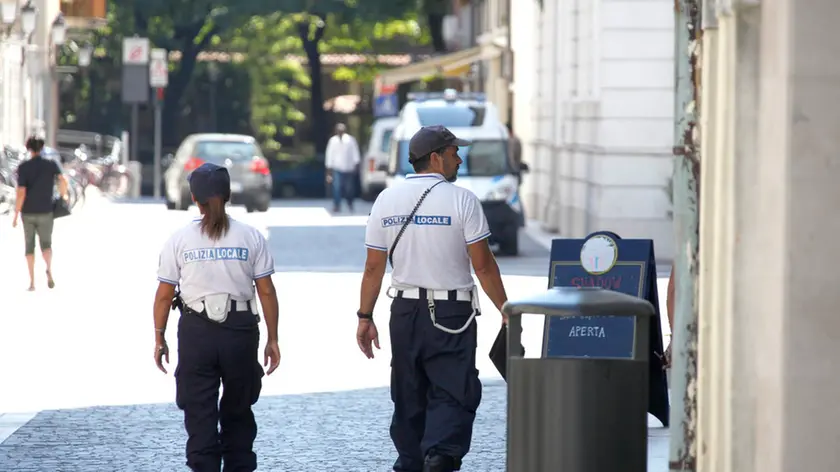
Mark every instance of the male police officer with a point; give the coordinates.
(434, 382)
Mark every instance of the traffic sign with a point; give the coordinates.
(135, 51)
(381, 88)
(386, 105)
(158, 69)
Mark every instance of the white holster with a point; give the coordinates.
(217, 307)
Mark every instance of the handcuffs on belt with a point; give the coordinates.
(476, 308)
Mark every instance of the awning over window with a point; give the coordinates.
(455, 64)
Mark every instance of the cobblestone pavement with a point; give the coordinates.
(346, 431)
(81, 354)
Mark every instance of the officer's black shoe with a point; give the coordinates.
(438, 463)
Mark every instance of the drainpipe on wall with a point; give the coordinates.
(684, 341)
(551, 218)
(508, 65)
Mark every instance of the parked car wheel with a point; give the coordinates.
(185, 201)
(262, 207)
(510, 245)
(288, 191)
(369, 196)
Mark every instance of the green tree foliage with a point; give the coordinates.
(267, 32)
(374, 27)
(349, 26)
(362, 36)
(269, 44)
(188, 26)
(94, 95)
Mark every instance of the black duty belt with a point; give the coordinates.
(178, 302)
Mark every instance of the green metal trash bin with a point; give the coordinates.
(578, 414)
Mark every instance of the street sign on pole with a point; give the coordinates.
(386, 105)
(135, 82)
(158, 173)
(158, 69)
(158, 79)
(135, 51)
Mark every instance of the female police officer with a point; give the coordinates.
(217, 261)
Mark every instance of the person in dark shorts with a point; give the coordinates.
(36, 183)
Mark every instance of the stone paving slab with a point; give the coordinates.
(345, 431)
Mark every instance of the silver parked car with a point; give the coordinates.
(250, 175)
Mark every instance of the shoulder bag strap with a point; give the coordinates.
(408, 220)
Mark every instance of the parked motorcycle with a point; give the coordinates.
(10, 158)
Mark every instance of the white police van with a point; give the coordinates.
(487, 168)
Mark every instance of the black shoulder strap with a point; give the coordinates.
(408, 220)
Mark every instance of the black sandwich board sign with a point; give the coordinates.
(628, 266)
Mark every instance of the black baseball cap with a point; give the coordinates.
(209, 180)
(432, 138)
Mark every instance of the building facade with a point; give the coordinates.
(588, 87)
(478, 58)
(28, 69)
(13, 89)
(594, 106)
(488, 25)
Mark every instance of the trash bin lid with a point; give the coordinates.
(573, 301)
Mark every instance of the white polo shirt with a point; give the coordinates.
(342, 153)
(205, 267)
(432, 252)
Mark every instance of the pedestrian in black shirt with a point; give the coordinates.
(36, 183)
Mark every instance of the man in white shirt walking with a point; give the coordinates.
(342, 163)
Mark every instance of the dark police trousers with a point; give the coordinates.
(210, 354)
(434, 382)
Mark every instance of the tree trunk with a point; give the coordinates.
(435, 21)
(92, 112)
(318, 120)
(179, 81)
(174, 95)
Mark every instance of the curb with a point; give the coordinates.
(540, 236)
(11, 422)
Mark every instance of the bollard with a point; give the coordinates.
(578, 414)
(135, 170)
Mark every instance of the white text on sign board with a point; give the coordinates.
(587, 332)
